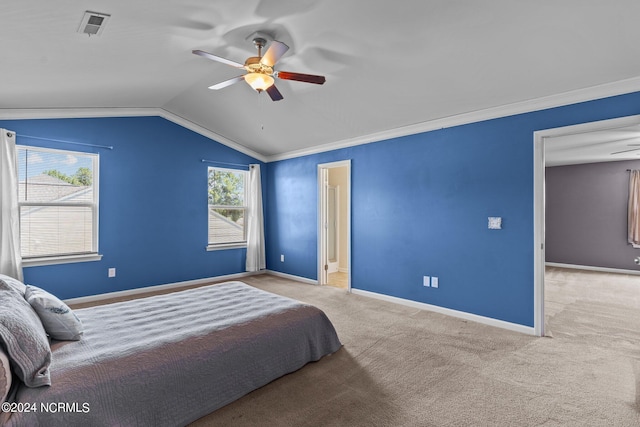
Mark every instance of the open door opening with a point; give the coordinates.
(569, 145)
(334, 224)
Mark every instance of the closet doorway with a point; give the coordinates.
(334, 224)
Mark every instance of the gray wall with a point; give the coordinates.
(586, 215)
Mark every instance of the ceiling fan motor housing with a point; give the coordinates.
(253, 65)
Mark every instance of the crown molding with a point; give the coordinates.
(65, 113)
(567, 98)
(209, 134)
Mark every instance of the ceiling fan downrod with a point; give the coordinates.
(259, 42)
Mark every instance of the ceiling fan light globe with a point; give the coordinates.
(259, 81)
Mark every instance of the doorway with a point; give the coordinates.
(543, 140)
(334, 224)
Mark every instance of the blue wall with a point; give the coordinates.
(420, 205)
(153, 204)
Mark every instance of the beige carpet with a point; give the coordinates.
(405, 367)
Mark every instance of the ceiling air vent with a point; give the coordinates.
(93, 23)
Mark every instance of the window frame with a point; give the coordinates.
(244, 208)
(60, 258)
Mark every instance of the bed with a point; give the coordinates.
(168, 360)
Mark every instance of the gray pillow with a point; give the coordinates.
(5, 376)
(60, 322)
(24, 338)
(14, 283)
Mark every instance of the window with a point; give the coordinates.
(227, 195)
(58, 201)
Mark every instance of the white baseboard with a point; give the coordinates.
(449, 312)
(591, 268)
(177, 285)
(343, 270)
(292, 277)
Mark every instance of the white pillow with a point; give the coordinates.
(58, 319)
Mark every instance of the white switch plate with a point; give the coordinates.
(434, 282)
(281, 258)
(425, 281)
(495, 223)
(112, 272)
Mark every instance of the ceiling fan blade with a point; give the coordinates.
(274, 93)
(625, 151)
(226, 83)
(217, 58)
(299, 77)
(273, 54)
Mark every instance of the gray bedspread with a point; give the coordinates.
(170, 359)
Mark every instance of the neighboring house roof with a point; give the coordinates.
(45, 188)
(49, 230)
(223, 230)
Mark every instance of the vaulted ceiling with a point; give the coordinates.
(388, 65)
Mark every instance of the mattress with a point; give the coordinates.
(168, 360)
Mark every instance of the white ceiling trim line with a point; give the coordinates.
(210, 134)
(581, 95)
(567, 98)
(65, 113)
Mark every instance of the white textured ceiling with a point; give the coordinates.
(595, 146)
(388, 64)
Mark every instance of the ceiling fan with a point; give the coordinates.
(260, 73)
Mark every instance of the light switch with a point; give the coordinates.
(495, 223)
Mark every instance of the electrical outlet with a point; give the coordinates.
(112, 272)
(281, 258)
(425, 281)
(434, 282)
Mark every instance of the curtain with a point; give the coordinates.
(256, 259)
(10, 258)
(633, 217)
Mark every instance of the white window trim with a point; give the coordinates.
(70, 258)
(230, 245)
(60, 259)
(221, 246)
